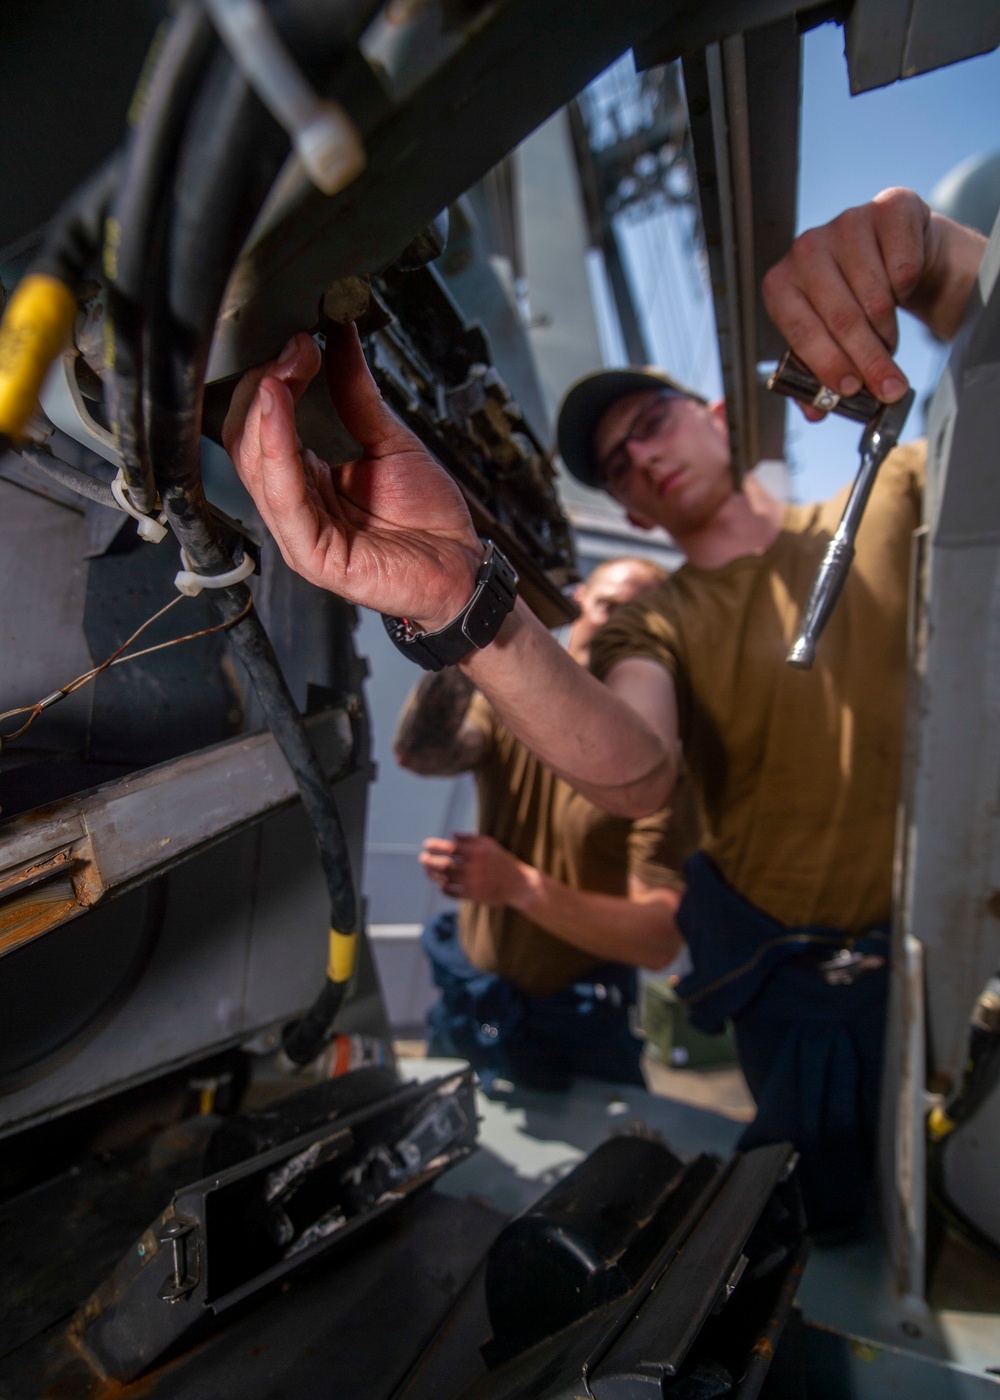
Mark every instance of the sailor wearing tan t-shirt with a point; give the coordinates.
(560, 900)
(787, 907)
(798, 771)
(391, 531)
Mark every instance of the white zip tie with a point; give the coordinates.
(323, 136)
(151, 528)
(191, 583)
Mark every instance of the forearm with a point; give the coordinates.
(574, 723)
(612, 928)
(428, 738)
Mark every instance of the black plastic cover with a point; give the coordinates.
(584, 1243)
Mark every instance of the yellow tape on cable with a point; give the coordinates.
(343, 947)
(35, 327)
(939, 1125)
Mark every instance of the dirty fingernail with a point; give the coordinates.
(849, 385)
(892, 388)
(288, 353)
(266, 400)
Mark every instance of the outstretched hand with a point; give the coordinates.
(390, 530)
(835, 293)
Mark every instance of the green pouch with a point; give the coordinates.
(665, 1025)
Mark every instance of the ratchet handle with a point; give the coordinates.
(792, 379)
(823, 597)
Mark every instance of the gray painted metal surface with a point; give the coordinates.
(480, 285)
(955, 869)
(128, 830)
(240, 947)
(422, 155)
(42, 546)
(852, 1368)
(951, 841)
(892, 39)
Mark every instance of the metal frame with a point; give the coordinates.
(58, 864)
(743, 105)
(950, 840)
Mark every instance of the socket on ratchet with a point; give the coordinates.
(883, 425)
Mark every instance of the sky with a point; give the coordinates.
(911, 133)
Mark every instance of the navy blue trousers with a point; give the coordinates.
(811, 1051)
(537, 1042)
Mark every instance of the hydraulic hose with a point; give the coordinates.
(232, 150)
(41, 312)
(158, 115)
(74, 237)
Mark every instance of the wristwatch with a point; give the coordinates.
(474, 627)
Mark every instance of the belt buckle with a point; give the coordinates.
(847, 965)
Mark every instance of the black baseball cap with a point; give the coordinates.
(586, 402)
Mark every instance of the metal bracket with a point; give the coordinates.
(66, 407)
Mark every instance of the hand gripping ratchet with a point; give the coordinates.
(883, 425)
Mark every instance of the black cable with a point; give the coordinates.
(304, 1039)
(162, 104)
(74, 236)
(231, 153)
(232, 150)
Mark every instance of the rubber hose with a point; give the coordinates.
(304, 1039)
(73, 238)
(147, 173)
(232, 151)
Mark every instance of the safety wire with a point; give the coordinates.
(115, 659)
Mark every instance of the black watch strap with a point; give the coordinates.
(474, 627)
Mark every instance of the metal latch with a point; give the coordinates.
(184, 1278)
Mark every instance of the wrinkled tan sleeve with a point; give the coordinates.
(659, 845)
(641, 628)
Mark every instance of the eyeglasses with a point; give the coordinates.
(616, 465)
